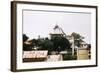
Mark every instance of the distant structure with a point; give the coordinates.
(57, 32)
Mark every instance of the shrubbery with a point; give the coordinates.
(69, 57)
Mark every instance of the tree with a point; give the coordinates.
(77, 38)
(60, 43)
(34, 42)
(64, 44)
(47, 44)
(25, 38)
(26, 47)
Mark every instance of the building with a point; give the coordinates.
(84, 52)
(57, 32)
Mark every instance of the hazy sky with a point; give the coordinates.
(41, 23)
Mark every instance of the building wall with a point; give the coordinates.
(82, 54)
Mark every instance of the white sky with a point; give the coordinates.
(42, 23)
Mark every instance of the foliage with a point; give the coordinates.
(26, 47)
(47, 45)
(57, 43)
(25, 38)
(65, 44)
(34, 43)
(60, 43)
(77, 39)
(69, 56)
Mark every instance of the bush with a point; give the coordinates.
(69, 57)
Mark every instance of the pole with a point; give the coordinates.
(73, 46)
